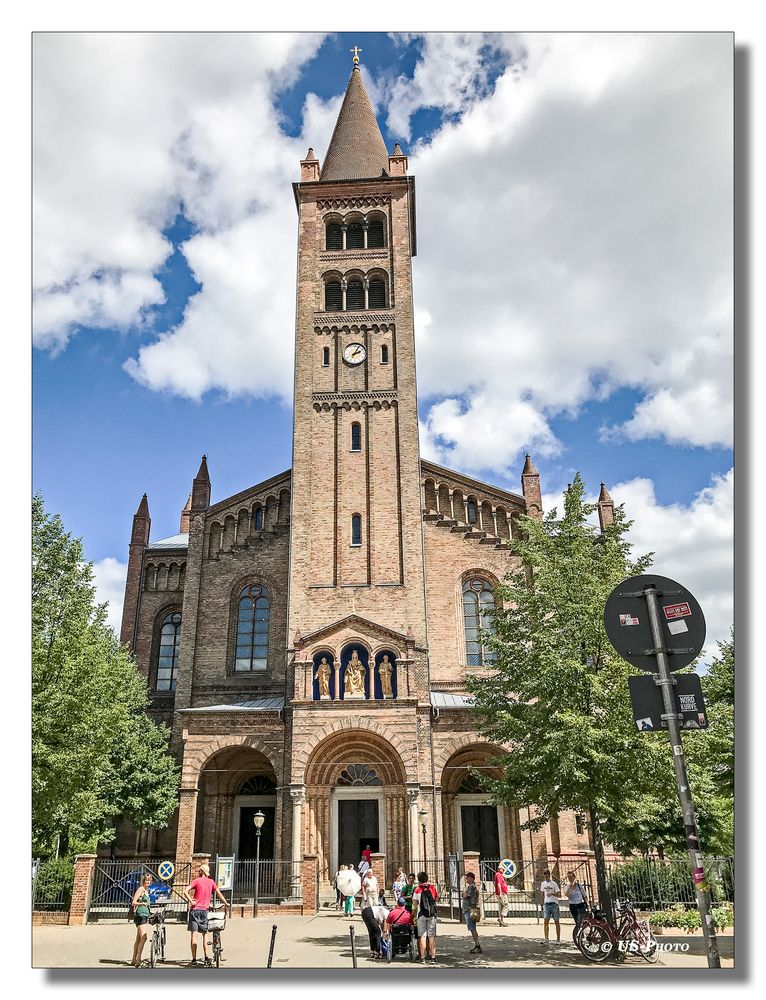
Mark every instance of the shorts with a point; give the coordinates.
(197, 921)
(551, 910)
(138, 920)
(470, 924)
(502, 900)
(426, 927)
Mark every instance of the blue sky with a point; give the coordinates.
(572, 285)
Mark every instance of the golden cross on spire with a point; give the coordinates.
(356, 50)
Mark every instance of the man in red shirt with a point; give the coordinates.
(198, 896)
(501, 891)
(424, 910)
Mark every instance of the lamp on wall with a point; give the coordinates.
(258, 820)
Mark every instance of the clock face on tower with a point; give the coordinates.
(354, 354)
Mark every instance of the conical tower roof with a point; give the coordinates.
(357, 149)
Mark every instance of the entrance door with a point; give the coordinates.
(480, 833)
(247, 838)
(357, 827)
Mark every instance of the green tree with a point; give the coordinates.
(558, 694)
(96, 755)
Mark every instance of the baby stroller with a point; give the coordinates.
(401, 941)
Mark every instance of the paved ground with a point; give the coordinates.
(324, 942)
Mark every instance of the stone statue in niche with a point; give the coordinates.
(385, 669)
(353, 686)
(322, 677)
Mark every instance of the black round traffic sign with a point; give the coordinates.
(682, 624)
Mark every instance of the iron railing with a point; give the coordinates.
(654, 884)
(265, 881)
(115, 882)
(52, 885)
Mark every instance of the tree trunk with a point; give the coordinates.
(604, 898)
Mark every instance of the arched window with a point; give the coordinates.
(167, 654)
(356, 529)
(355, 295)
(326, 357)
(252, 628)
(472, 512)
(478, 599)
(384, 354)
(258, 784)
(333, 296)
(376, 235)
(259, 519)
(355, 236)
(333, 236)
(359, 775)
(377, 294)
(356, 437)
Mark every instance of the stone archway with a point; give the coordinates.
(355, 791)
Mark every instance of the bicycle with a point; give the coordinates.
(598, 939)
(216, 922)
(157, 943)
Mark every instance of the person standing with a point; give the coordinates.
(370, 889)
(407, 891)
(424, 908)
(338, 893)
(470, 906)
(501, 892)
(550, 891)
(575, 893)
(141, 912)
(198, 896)
(400, 880)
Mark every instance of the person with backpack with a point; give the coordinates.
(501, 891)
(140, 911)
(424, 907)
(470, 907)
(578, 905)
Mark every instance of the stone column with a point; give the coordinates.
(343, 231)
(365, 230)
(82, 887)
(343, 286)
(336, 664)
(308, 884)
(298, 795)
(366, 284)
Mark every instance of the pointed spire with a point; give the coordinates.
(605, 507)
(142, 523)
(186, 517)
(530, 488)
(397, 150)
(200, 495)
(357, 149)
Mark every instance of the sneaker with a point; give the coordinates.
(194, 962)
(208, 964)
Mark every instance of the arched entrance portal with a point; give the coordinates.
(235, 783)
(355, 797)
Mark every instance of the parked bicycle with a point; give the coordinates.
(216, 922)
(157, 943)
(598, 939)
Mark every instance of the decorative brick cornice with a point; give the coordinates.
(327, 256)
(341, 319)
(361, 394)
(363, 201)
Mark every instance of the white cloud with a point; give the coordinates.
(693, 544)
(109, 577)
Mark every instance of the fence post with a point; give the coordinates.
(82, 887)
(310, 884)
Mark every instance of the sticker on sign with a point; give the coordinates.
(677, 626)
(677, 610)
(628, 620)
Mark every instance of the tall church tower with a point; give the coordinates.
(356, 546)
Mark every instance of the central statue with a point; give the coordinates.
(353, 685)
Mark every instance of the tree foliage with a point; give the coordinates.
(96, 755)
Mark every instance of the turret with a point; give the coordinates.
(186, 517)
(605, 508)
(530, 488)
(200, 494)
(139, 538)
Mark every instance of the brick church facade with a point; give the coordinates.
(307, 640)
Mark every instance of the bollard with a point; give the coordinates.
(271, 946)
(353, 944)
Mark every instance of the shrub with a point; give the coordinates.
(53, 885)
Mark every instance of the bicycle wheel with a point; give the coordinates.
(217, 948)
(594, 942)
(152, 953)
(162, 943)
(647, 943)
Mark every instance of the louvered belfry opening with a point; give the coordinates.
(355, 236)
(333, 297)
(377, 293)
(376, 235)
(355, 295)
(334, 236)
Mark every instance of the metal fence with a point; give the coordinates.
(52, 885)
(265, 882)
(115, 882)
(654, 884)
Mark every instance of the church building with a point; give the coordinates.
(307, 640)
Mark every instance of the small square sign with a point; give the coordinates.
(677, 610)
(628, 620)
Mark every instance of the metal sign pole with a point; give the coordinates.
(666, 682)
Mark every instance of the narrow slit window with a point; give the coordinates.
(384, 354)
(356, 529)
(326, 357)
(356, 437)
(259, 519)
(472, 512)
